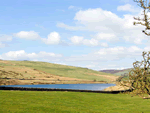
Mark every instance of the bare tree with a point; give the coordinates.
(146, 6)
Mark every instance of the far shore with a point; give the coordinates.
(35, 81)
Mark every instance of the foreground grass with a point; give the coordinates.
(70, 102)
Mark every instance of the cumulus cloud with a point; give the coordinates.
(30, 35)
(107, 37)
(104, 44)
(102, 18)
(109, 58)
(120, 56)
(120, 51)
(108, 25)
(22, 55)
(79, 40)
(53, 38)
(147, 48)
(109, 54)
(92, 42)
(76, 40)
(127, 7)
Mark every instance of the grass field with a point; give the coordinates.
(70, 102)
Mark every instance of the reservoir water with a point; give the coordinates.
(93, 87)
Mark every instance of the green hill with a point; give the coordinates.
(122, 72)
(56, 69)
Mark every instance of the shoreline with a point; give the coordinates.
(57, 89)
(32, 82)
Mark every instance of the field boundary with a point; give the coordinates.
(55, 89)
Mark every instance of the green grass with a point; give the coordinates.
(70, 102)
(62, 70)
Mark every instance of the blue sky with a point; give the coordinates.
(93, 34)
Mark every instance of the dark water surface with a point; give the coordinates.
(66, 86)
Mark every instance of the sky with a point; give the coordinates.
(94, 34)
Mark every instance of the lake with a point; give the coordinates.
(93, 87)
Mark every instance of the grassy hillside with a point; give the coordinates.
(54, 69)
(70, 102)
(116, 72)
(122, 72)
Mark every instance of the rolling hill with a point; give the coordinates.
(31, 72)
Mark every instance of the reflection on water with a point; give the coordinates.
(67, 86)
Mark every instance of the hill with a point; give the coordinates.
(116, 72)
(31, 72)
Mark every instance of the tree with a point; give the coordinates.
(139, 81)
(146, 6)
(139, 76)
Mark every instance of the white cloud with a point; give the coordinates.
(79, 40)
(22, 55)
(114, 57)
(92, 42)
(90, 66)
(62, 25)
(97, 16)
(107, 37)
(60, 63)
(104, 44)
(31, 35)
(120, 51)
(109, 54)
(53, 38)
(134, 49)
(5, 38)
(127, 7)
(42, 27)
(2, 45)
(71, 7)
(74, 7)
(147, 48)
(109, 25)
(46, 54)
(114, 50)
(76, 40)
(14, 54)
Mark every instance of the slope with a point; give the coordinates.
(30, 70)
